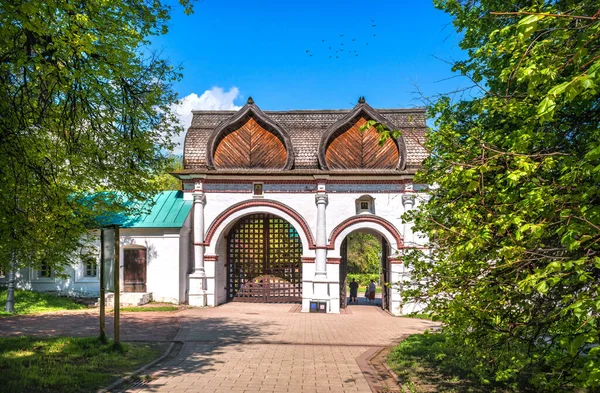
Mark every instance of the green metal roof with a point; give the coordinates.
(169, 211)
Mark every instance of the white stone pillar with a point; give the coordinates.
(408, 201)
(197, 285)
(320, 282)
(399, 273)
(321, 200)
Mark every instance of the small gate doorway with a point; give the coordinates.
(384, 275)
(264, 260)
(134, 266)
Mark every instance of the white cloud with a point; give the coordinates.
(213, 99)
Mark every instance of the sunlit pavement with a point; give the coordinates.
(246, 347)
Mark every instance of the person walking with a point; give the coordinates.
(371, 289)
(353, 291)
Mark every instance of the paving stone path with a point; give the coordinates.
(139, 326)
(241, 347)
(244, 347)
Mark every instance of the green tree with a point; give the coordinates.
(165, 181)
(363, 253)
(85, 106)
(514, 217)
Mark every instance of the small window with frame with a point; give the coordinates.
(365, 204)
(90, 267)
(45, 271)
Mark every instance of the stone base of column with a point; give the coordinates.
(197, 294)
(320, 286)
(320, 290)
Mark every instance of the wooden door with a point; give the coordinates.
(385, 289)
(344, 274)
(135, 270)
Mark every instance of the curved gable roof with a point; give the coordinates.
(248, 113)
(362, 109)
(305, 129)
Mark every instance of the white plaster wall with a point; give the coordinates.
(74, 284)
(221, 274)
(162, 260)
(341, 207)
(186, 242)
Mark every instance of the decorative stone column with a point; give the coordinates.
(398, 270)
(197, 280)
(408, 201)
(320, 281)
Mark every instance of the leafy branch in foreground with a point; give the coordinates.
(86, 106)
(513, 221)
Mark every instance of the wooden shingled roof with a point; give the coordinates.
(306, 134)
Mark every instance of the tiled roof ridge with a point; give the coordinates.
(306, 128)
(311, 111)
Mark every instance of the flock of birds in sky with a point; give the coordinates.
(346, 46)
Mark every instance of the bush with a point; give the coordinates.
(363, 279)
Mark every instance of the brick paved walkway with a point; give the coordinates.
(265, 348)
(244, 347)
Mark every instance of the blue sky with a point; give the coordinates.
(233, 49)
(260, 48)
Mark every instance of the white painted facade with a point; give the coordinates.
(340, 207)
(168, 255)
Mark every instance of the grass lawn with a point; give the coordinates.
(68, 365)
(425, 365)
(28, 302)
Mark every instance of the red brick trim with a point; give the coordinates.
(200, 244)
(395, 261)
(334, 261)
(358, 219)
(295, 181)
(260, 203)
(378, 181)
(308, 259)
(212, 258)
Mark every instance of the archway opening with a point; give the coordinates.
(264, 260)
(364, 261)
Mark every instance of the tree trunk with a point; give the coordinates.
(10, 294)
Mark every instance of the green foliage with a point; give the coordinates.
(86, 106)
(514, 219)
(165, 181)
(28, 302)
(363, 279)
(363, 253)
(429, 362)
(67, 364)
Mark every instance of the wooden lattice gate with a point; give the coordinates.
(264, 260)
